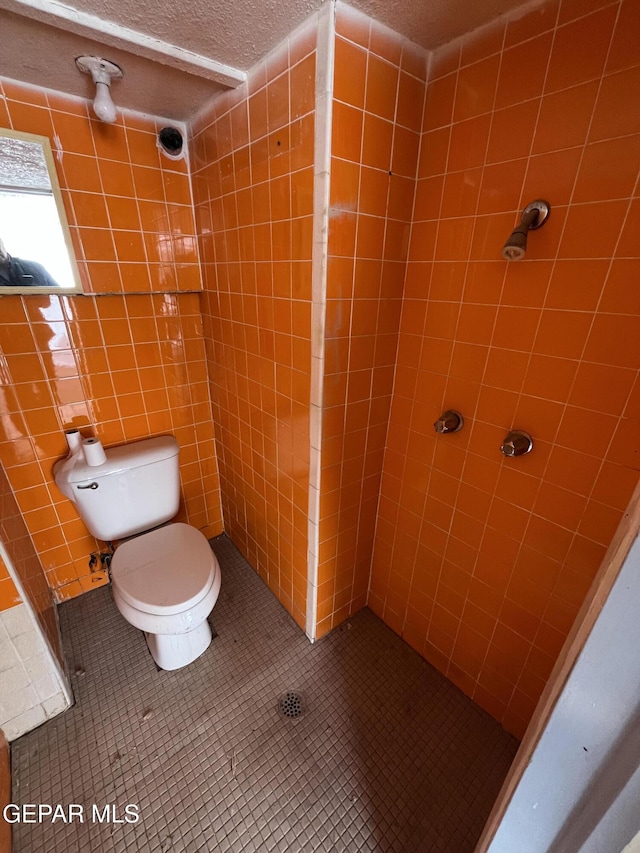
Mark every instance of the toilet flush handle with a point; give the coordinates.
(89, 486)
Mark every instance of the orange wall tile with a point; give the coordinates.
(253, 156)
(379, 88)
(482, 562)
(9, 595)
(17, 542)
(129, 207)
(479, 562)
(122, 367)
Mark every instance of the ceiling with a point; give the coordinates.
(155, 41)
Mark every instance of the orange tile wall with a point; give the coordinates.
(9, 595)
(379, 88)
(479, 562)
(129, 207)
(252, 161)
(482, 562)
(118, 367)
(17, 542)
(122, 366)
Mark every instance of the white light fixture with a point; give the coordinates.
(103, 72)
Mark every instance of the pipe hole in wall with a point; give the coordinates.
(170, 142)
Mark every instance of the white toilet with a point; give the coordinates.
(165, 580)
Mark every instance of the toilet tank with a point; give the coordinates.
(137, 488)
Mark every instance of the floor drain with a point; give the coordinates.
(291, 704)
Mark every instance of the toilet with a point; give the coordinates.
(165, 578)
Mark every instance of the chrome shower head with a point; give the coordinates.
(533, 216)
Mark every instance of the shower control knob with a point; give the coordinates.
(517, 443)
(449, 421)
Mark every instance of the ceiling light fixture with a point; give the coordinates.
(102, 72)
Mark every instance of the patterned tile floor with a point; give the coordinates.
(388, 755)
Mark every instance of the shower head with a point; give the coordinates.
(533, 216)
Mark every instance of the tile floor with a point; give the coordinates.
(387, 756)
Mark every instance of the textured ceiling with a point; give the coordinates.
(235, 32)
(45, 56)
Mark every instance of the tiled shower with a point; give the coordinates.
(299, 302)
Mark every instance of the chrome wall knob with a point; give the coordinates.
(449, 421)
(517, 443)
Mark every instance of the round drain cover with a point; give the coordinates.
(291, 704)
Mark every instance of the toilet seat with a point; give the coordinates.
(165, 571)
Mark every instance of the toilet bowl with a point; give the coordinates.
(165, 583)
(165, 577)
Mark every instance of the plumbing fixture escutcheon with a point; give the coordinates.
(534, 215)
(537, 213)
(517, 443)
(449, 421)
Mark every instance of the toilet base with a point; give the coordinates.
(173, 651)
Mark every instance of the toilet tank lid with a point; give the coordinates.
(125, 457)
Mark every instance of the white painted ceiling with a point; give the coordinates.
(235, 32)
